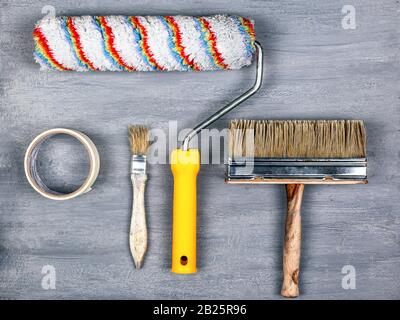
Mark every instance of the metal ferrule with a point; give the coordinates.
(138, 164)
(323, 169)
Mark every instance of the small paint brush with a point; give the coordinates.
(139, 141)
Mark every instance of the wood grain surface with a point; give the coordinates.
(292, 241)
(315, 69)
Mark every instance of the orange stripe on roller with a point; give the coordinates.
(213, 42)
(145, 45)
(42, 42)
(78, 45)
(250, 26)
(179, 46)
(110, 45)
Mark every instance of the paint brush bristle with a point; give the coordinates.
(297, 139)
(139, 139)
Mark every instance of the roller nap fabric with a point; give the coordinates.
(144, 43)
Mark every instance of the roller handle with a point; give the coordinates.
(185, 166)
(138, 231)
(292, 242)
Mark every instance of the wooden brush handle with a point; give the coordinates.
(138, 232)
(292, 245)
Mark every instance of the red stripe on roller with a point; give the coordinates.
(77, 40)
(110, 45)
(213, 41)
(179, 44)
(42, 41)
(249, 25)
(145, 44)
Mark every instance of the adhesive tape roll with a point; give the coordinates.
(32, 174)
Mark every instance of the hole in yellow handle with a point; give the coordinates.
(184, 260)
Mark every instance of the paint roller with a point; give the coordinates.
(148, 43)
(157, 43)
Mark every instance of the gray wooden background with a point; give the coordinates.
(314, 69)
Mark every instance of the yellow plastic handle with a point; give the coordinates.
(184, 165)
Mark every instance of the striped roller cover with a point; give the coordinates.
(144, 43)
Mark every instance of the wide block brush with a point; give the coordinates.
(139, 142)
(296, 153)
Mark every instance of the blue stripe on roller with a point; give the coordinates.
(171, 43)
(43, 59)
(103, 44)
(246, 36)
(204, 43)
(138, 38)
(67, 34)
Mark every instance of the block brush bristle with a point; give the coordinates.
(303, 139)
(296, 153)
(139, 139)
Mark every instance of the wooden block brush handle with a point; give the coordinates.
(292, 245)
(294, 153)
(138, 231)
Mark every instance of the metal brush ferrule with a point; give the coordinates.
(312, 170)
(138, 164)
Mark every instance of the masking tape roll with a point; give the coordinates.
(32, 174)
